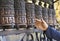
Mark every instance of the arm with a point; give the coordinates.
(51, 33)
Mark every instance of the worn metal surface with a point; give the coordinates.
(20, 13)
(7, 13)
(54, 17)
(50, 17)
(38, 12)
(45, 14)
(30, 14)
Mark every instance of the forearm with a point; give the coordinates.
(51, 33)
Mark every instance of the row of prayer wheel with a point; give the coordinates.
(19, 13)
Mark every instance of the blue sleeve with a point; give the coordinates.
(52, 33)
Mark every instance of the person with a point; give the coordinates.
(51, 33)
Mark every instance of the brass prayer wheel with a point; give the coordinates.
(20, 13)
(50, 17)
(30, 14)
(7, 13)
(38, 12)
(45, 14)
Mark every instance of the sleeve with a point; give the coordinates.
(52, 33)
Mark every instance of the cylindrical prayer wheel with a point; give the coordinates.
(38, 12)
(30, 14)
(50, 20)
(20, 13)
(7, 13)
(45, 14)
(54, 17)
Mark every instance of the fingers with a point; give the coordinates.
(43, 21)
(41, 24)
(45, 25)
(37, 23)
(37, 20)
(40, 20)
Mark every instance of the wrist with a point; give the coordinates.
(46, 28)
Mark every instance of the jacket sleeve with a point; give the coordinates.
(52, 33)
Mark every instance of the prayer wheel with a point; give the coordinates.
(7, 19)
(50, 18)
(38, 12)
(20, 13)
(30, 14)
(54, 17)
(45, 14)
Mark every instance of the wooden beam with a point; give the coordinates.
(14, 32)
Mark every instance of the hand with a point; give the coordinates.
(41, 24)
